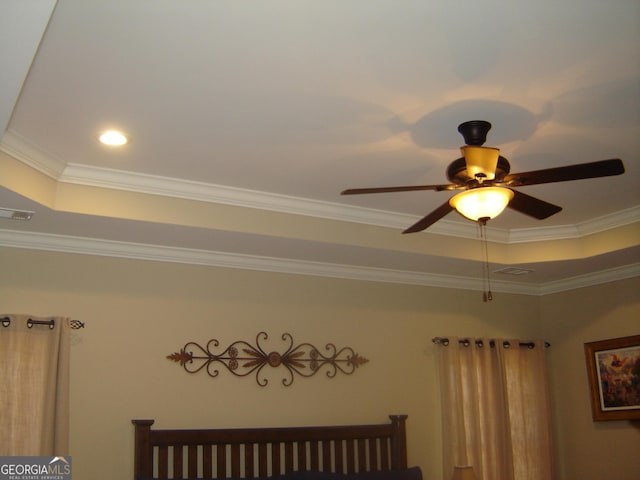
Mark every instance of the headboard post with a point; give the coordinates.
(142, 466)
(399, 442)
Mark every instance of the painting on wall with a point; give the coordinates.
(614, 378)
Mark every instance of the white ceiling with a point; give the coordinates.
(247, 119)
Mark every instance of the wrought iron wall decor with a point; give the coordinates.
(242, 359)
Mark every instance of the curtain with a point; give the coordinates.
(496, 413)
(34, 397)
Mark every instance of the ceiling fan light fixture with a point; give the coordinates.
(481, 161)
(481, 202)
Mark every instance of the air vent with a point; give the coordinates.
(513, 271)
(15, 214)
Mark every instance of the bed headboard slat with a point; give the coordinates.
(221, 459)
(207, 461)
(177, 461)
(262, 460)
(163, 461)
(260, 452)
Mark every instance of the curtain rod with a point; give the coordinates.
(74, 324)
(492, 343)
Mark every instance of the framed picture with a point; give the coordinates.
(614, 378)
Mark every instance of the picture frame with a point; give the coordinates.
(613, 368)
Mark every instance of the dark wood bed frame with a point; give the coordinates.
(263, 452)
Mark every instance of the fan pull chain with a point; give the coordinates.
(487, 296)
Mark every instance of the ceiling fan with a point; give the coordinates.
(486, 185)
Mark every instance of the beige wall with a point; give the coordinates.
(138, 312)
(590, 450)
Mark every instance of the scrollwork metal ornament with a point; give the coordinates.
(243, 359)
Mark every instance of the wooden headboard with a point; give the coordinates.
(262, 452)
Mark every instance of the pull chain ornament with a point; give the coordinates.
(487, 296)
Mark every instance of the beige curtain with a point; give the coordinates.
(34, 397)
(495, 409)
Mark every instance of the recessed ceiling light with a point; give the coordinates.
(113, 138)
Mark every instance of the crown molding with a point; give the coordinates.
(619, 219)
(86, 175)
(239, 197)
(212, 193)
(139, 251)
(21, 149)
(589, 280)
(156, 253)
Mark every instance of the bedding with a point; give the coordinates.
(343, 452)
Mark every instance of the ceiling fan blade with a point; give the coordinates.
(534, 207)
(406, 188)
(430, 219)
(602, 168)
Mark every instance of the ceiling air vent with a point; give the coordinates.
(13, 214)
(513, 271)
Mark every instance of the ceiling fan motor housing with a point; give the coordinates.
(474, 133)
(457, 171)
